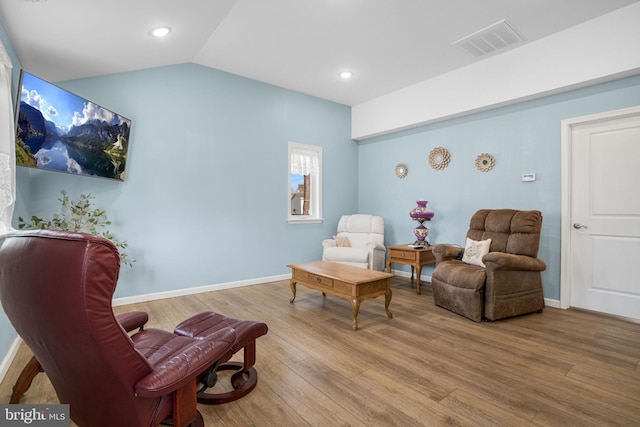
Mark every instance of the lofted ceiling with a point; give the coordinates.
(300, 45)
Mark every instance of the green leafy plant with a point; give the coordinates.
(79, 215)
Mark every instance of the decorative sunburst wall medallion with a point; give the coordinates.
(401, 170)
(439, 158)
(485, 162)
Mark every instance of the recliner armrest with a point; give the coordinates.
(328, 243)
(444, 252)
(375, 246)
(132, 320)
(187, 362)
(505, 261)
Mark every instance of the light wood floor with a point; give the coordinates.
(424, 367)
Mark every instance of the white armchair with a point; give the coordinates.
(359, 242)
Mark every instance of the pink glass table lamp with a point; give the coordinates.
(421, 214)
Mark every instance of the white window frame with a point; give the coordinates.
(315, 215)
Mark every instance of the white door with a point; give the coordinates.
(602, 225)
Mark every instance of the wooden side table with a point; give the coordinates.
(416, 258)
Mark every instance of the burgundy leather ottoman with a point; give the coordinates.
(246, 377)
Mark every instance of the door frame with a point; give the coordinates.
(567, 126)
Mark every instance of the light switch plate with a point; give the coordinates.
(528, 177)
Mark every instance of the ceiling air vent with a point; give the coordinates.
(490, 39)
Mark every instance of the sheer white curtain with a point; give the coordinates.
(7, 144)
(305, 162)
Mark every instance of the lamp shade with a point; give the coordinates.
(421, 211)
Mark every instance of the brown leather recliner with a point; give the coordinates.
(510, 284)
(56, 289)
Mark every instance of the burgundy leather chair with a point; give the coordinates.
(56, 289)
(129, 321)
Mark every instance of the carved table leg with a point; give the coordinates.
(355, 308)
(25, 379)
(387, 301)
(418, 274)
(292, 284)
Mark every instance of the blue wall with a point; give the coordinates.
(524, 138)
(205, 196)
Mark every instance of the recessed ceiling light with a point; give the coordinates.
(160, 31)
(346, 74)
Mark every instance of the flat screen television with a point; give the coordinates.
(59, 131)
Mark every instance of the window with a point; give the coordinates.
(305, 183)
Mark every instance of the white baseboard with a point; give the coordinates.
(8, 358)
(554, 303)
(197, 290)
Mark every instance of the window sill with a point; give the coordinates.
(305, 220)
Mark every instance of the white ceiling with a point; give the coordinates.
(296, 44)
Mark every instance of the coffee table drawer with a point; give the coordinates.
(313, 279)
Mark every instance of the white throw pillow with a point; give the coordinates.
(474, 251)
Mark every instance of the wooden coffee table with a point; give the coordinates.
(351, 283)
